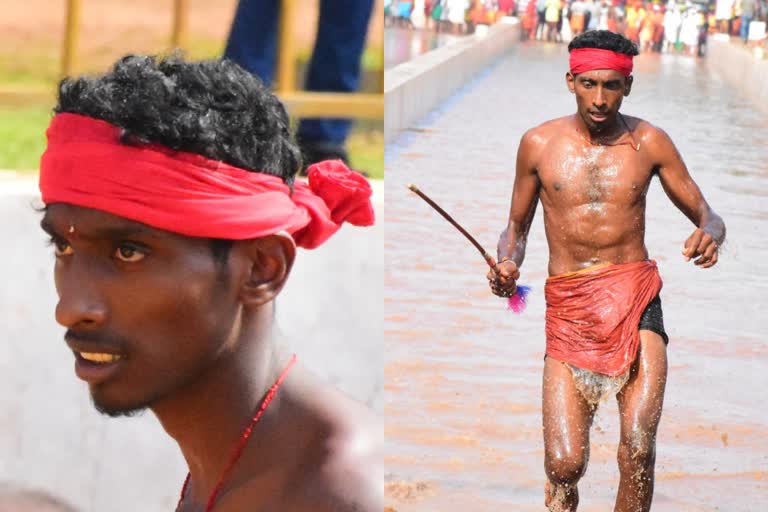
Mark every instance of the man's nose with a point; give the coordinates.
(81, 305)
(599, 98)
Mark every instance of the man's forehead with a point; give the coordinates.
(601, 75)
(85, 222)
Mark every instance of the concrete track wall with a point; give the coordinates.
(414, 88)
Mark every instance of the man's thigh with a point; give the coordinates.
(566, 415)
(642, 398)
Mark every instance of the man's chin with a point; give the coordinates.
(118, 410)
(597, 124)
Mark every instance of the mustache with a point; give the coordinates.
(99, 338)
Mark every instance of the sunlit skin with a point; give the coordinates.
(197, 346)
(591, 172)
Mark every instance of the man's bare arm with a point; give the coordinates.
(705, 241)
(525, 198)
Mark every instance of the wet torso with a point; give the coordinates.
(593, 195)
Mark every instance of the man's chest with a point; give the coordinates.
(594, 174)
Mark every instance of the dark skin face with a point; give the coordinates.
(156, 299)
(196, 346)
(599, 94)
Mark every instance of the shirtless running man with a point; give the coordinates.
(605, 331)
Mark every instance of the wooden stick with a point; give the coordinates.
(488, 258)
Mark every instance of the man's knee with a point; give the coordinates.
(565, 468)
(638, 448)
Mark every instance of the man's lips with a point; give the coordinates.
(598, 116)
(94, 351)
(96, 373)
(95, 363)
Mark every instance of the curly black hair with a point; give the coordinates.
(213, 108)
(604, 40)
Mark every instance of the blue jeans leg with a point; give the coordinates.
(744, 29)
(335, 64)
(252, 40)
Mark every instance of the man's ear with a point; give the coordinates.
(628, 85)
(270, 260)
(570, 81)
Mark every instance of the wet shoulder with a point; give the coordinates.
(543, 136)
(646, 132)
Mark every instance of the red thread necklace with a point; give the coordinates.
(243, 440)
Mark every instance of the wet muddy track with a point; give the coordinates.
(463, 376)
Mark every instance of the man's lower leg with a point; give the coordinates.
(636, 465)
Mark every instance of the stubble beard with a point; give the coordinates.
(118, 411)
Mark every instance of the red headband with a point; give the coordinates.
(85, 164)
(587, 59)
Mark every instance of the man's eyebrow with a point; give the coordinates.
(120, 232)
(111, 233)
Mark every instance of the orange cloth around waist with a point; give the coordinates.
(593, 315)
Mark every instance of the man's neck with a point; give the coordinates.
(607, 135)
(207, 418)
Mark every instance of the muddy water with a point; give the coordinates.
(401, 45)
(463, 376)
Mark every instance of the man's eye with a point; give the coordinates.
(129, 253)
(60, 247)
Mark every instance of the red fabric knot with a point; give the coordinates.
(588, 59)
(335, 194)
(346, 193)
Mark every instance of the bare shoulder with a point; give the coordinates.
(542, 134)
(539, 138)
(648, 134)
(350, 477)
(331, 457)
(346, 466)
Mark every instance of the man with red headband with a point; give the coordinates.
(172, 206)
(604, 327)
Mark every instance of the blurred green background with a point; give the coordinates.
(31, 36)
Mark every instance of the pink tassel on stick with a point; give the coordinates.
(519, 300)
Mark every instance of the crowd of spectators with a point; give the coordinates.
(454, 16)
(660, 26)
(654, 26)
